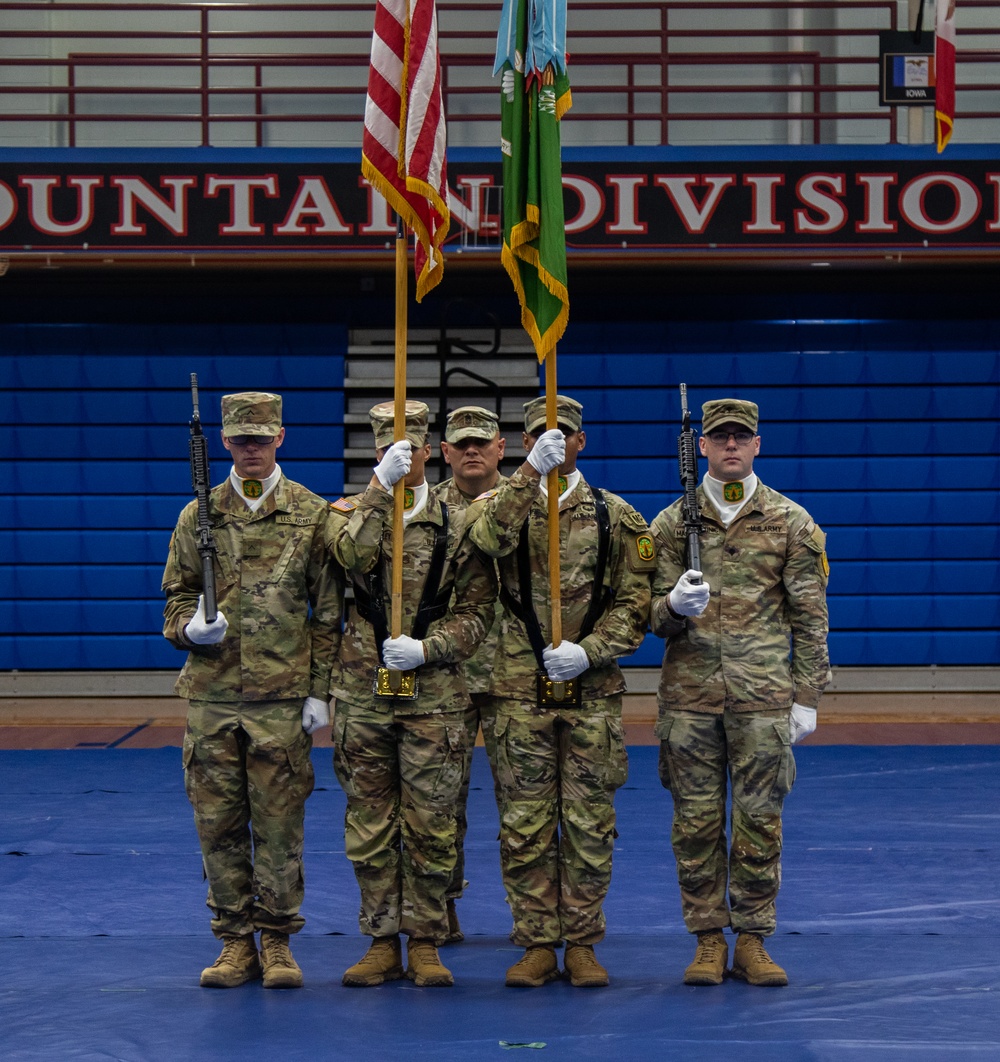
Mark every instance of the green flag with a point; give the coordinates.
(534, 223)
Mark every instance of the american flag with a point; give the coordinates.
(403, 151)
(944, 72)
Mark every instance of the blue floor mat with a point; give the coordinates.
(887, 926)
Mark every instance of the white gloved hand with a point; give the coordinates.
(395, 463)
(801, 722)
(549, 451)
(687, 598)
(202, 633)
(403, 653)
(565, 662)
(315, 713)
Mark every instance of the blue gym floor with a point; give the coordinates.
(888, 927)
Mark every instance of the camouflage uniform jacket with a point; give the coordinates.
(620, 628)
(768, 573)
(277, 587)
(479, 667)
(362, 538)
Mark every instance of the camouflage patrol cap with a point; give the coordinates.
(251, 413)
(569, 414)
(471, 422)
(728, 411)
(382, 416)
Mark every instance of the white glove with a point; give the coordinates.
(687, 598)
(202, 633)
(801, 722)
(403, 653)
(395, 463)
(565, 662)
(549, 451)
(315, 713)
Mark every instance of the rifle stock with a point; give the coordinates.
(198, 448)
(687, 459)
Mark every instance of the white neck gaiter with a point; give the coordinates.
(419, 494)
(570, 485)
(254, 491)
(729, 498)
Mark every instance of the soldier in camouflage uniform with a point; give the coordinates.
(400, 752)
(560, 746)
(731, 703)
(473, 448)
(257, 679)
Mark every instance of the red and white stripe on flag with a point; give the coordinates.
(944, 72)
(403, 151)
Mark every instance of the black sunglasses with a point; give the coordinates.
(248, 440)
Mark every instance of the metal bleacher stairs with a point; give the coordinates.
(490, 367)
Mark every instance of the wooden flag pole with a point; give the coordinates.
(552, 421)
(398, 433)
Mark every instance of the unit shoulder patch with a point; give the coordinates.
(640, 551)
(817, 543)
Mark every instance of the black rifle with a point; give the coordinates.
(687, 458)
(198, 447)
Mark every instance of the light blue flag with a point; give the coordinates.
(546, 41)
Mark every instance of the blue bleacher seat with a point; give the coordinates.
(886, 430)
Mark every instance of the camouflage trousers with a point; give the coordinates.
(247, 773)
(480, 713)
(699, 754)
(402, 776)
(558, 771)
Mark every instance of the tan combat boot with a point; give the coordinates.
(280, 969)
(710, 958)
(537, 966)
(382, 962)
(583, 968)
(424, 968)
(751, 963)
(238, 963)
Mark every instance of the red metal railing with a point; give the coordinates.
(642, 73)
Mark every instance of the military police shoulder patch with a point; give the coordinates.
(344, 505)
(633, 520)
(640, 552)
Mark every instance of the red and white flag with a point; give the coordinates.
(944, 72)
(403, 151)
